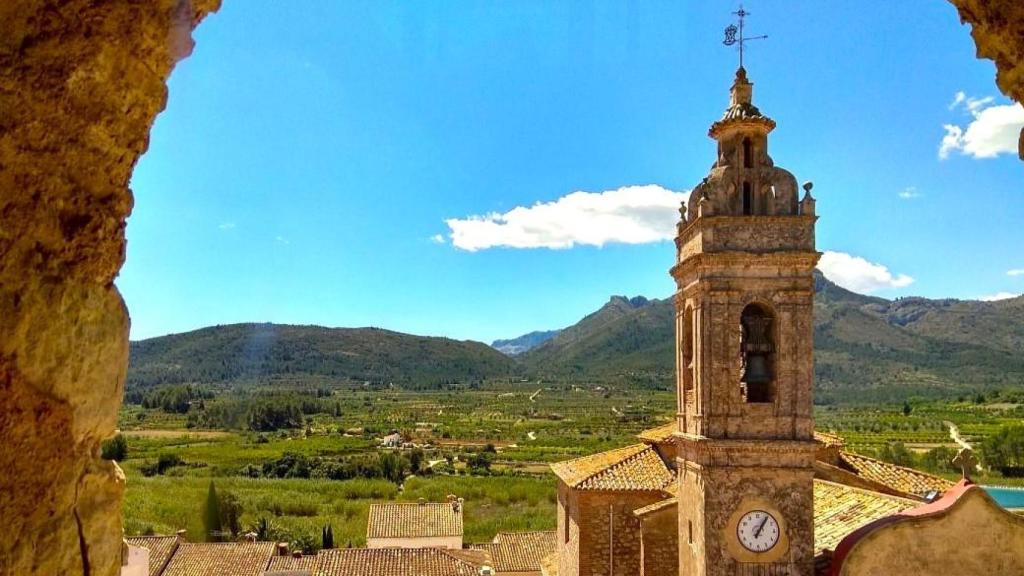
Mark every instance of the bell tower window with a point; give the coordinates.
(748, 199)
(758, 354)
(748, 154)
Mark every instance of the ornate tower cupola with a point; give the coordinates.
(744, 339)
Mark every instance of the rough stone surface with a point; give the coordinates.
(81, 82)
(997, 27)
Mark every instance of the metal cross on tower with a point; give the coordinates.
(731, 33)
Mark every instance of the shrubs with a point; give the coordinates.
(115, 449)
(162, 465)
(1004, 450)
(388, 465)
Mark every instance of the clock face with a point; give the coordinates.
(758, 531)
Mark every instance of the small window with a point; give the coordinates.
(748, 199)
(748, 153)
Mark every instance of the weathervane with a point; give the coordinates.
(731, 31)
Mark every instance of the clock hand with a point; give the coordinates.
(757, 533)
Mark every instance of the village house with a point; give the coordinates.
(415, 525)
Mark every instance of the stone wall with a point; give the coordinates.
(610, 541)
(659, 543)
(81, 82)
(997, 27)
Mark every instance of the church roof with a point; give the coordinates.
(839, 510)
(659, 434)
(414, 520)
(906, 480)
(636, 467)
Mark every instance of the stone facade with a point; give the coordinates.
(598, 534)
(80, 84)
(659, 539)
(744, 325)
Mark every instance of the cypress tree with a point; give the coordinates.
(211, 515)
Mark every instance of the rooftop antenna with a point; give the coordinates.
(731, 32)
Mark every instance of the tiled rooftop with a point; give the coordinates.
(220, 559)
(414, 520)
(520, 551)
(280, 563)
(829, 439)
(902, 479)
(160, 550)
(839, 510)
(662, 433)
(636, 467)
(392, 562)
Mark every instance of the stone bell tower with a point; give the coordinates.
(744, 337)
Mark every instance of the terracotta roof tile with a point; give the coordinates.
(636, 467)
(656, 507)
(660, 434)
(520, 551)
(220, 559)
(290, 563)
(839, 510)
(901, 479)
(829, 439)
(414, 520)
(160, 550)
(392, 562)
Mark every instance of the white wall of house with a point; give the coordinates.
(138, 562)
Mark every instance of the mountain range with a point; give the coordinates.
(866, 349)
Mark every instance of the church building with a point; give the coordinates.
(740, 484)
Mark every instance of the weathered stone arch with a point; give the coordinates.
(81, 82)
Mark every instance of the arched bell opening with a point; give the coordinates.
(757, 349)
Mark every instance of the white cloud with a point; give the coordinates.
(857, 274)
(629, 215)
(993, 129)
(909, 193)
(999, 296)
(227, 226)
(1015, 272)
(957, 99)
(437, 239)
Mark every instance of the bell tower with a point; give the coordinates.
(744, 334)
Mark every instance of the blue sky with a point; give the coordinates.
(370, 163)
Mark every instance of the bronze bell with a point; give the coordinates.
(756, 370)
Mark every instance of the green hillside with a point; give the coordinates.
(270, 351)
(866, 348)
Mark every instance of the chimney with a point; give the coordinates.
(251, 537)
(282, 548)
(181, 535)
(456, 504)
(486, 571)
(421, 501)
(297, 554)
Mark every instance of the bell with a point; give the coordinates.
(756, 371)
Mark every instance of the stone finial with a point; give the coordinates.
(682, 211)
(742, 91)
(807, 204)
(966, 461)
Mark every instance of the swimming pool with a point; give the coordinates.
(1007, 497)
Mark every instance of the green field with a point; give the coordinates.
(518, 429)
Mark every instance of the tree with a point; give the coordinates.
(1005, 450)
(212, 526)
(906, 408)
(115, 449)
(327, 537)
